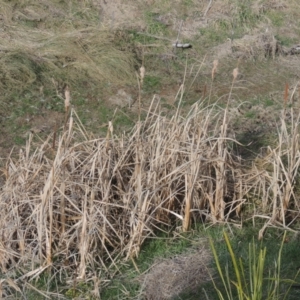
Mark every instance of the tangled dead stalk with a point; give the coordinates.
(89, 200)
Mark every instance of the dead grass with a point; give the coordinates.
(89, 200)
(279, 178)
(78, 203)
(170, 277)
(256, 47)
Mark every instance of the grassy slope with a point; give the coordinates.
(45, 45)
(50, 44)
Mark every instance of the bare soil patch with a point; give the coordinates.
(169, 278)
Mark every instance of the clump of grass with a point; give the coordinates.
(254, 285)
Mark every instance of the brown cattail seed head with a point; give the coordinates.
(235, 73)
(142, 74)
(67, 98)
(214, 69)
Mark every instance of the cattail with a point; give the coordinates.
(110, 127)
(214, 69)
(142, 74)
(235, 73)
(67, 98)
(286, 94)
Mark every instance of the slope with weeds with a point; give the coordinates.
(45, 46)
(94, 46)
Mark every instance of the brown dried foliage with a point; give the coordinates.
(94, 198)
(91, 200)
(170, 277)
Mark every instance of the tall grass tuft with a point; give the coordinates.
(251, 281)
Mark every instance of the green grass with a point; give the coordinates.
(250, 114)
(19, 140)
(154, 27)
(212, 37)
(255, 277)
(268, 102)
(152, 84)
(245, 16)
(277, 18)
(286, 41)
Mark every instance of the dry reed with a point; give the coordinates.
(83, 204)
(99, 198)
(279, 178)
